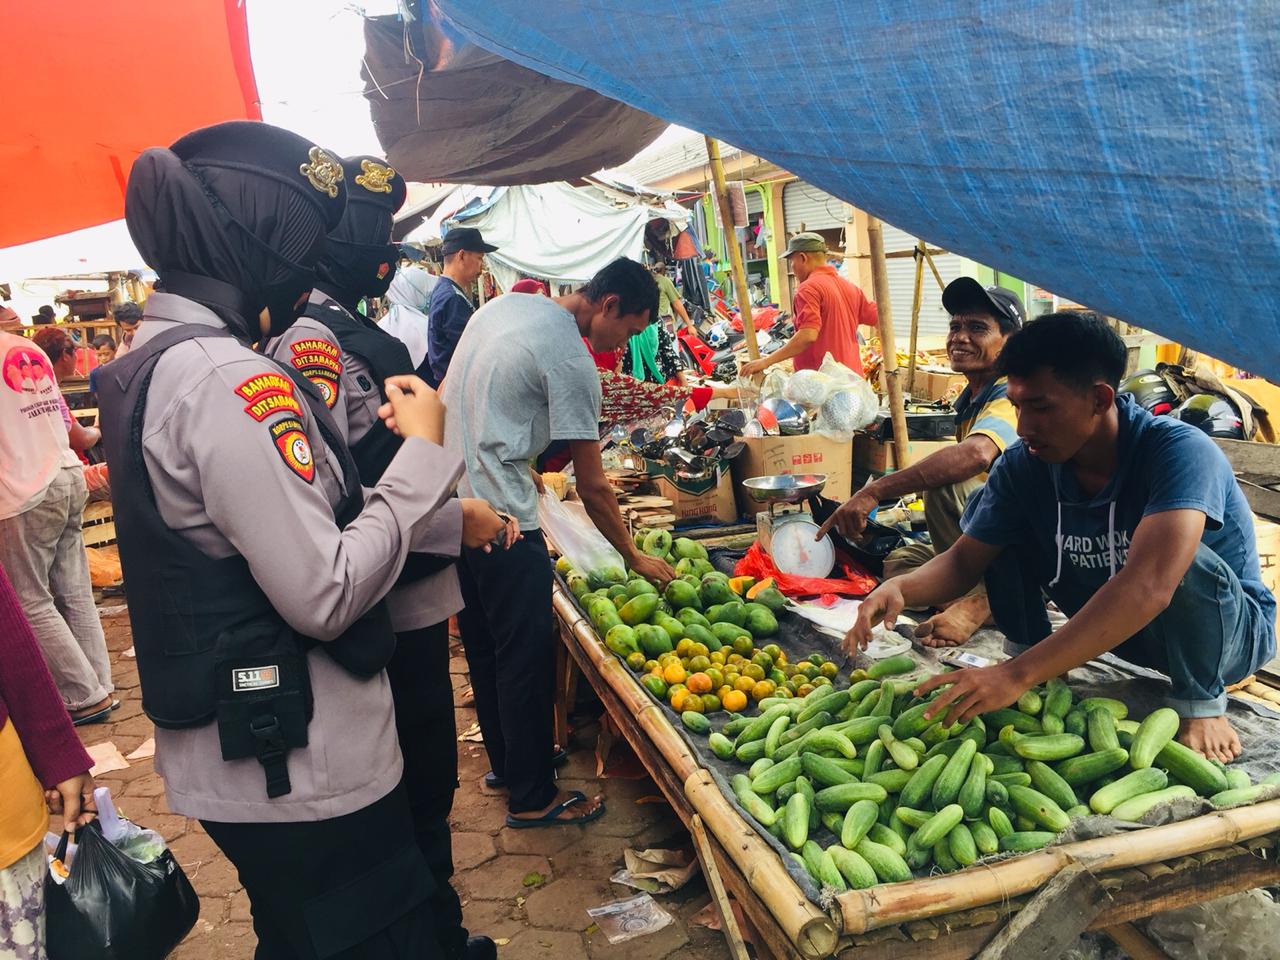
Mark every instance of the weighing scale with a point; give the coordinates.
(788, 538)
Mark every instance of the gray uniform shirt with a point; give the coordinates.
(230, 474)
(353, 396)
(520, 378)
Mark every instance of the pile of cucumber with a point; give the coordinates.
(903, 795)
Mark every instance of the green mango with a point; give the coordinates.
(680, 595)
(689, 615)
(772, 598)
(715, 591)
(760, 621)
(703, 635)
(735, 611)
(578, 586)
(639, 609)
(657, 543)
(684, 567)
(703, 567)
(638, 586)
(654, 641)
(617, 590)
(621, 640)
(726, 633)
(606, 576)
(683, 547)
(638, 538)
(606, 621)
(674, 628)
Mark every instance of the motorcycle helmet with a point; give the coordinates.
(1149, 391)
(1213, 414)
(717, 337)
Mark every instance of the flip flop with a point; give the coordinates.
(97, 717)
(552, 817)
(495, 782)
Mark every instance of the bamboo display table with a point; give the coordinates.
(948, 917)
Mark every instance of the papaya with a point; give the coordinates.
(621, 640)
(715, 591)
(639, 609)
(654, 641)
(680, 595)
(657, 543)
(688, 615)
(687, 549)
(732, 612)
(740, 585)
(760, 621)
(638, 586)
(771, 598)
(760, 585)
(726, 633)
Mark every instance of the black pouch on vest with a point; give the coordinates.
(263, 693)
(365, 647)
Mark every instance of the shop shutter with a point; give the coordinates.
(902, 278)
(809, 208)
(755, 202)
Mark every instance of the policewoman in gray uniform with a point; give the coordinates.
(348, 358)
(256, 565)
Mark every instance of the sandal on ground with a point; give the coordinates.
(98, 716)
(552, 817)
(495, 782)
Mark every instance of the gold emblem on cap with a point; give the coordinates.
(375, 176)
(324, 172)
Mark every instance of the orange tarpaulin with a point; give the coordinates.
(86, 86)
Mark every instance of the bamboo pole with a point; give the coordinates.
(724, 906)
(893, 903)
(915, 320)
(928, 258)
(735, 254)
(889, 366)
(813, 932)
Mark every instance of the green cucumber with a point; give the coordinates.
(1019, 778)
(750, 752)
(804, 786)
(887, 837)
(1236, 796)
(903, 755)
(1191, 768)
(845, 795)
(873, 759)
(1101, 727)
(947, 787)
(1051, 724)
(812, 854)
(943, 858)
(1003, 717)
(917, 857)
(1237, 779)
(946, 748)
(829, 739)
(695, 722)
(785, 792)
(915, 819)
(911, 722)
(832, 703)
(1025, 841)
(776, 730)
(1079, 810)
(1073, 722)
(891, 666)
(1057, 699)
(999, 821)
(720, 745)
(887, 863)
(857, 822)
(1157, 728)
(757, 807)
(830, 874)
(798, 730)
(795, 820)
(984, 838)
(1053, 786)
(758, 728)
(824, 771)
(1001, 765)
(963, 847)
(853, 867)
(891, 781)
(1118, 708)
(759, 767)
(973, 791)
(1107, 798)
(998, 793)
(1136, 807)
(1030, 703)
(919, 787)
(1035, 806)
(861, 730)
(939, 825)
(778, 774)
(1088, 767)
(1057, 746)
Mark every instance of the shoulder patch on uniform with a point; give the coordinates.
(268, 393)
(294, 447)
(320, 362)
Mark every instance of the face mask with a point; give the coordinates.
(360, 269)
(285, 298)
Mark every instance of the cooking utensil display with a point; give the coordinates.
(784, 488)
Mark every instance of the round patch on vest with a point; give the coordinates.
(294, 447)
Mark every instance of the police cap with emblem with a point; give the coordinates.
(360, 259)
(235, 216)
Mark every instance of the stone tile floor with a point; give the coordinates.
(529, 888)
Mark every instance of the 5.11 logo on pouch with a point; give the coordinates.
(249, 679)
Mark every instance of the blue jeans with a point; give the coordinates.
(1211, 634)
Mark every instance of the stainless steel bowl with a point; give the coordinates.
(784, 488)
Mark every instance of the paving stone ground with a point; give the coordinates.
(529, 889)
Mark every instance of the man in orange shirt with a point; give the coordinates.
(828, 310)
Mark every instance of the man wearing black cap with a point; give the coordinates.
(256, 563)
(451, 307)
(982, 319)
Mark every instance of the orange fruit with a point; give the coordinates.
(724, 691)
(752, 670)
(717, 656)
(804, 690)
(682, 648)
(650, 666)
(744, 684)
(676, 696)
(734, 700)
(762, 689)
(692, 704)
(674, 673)
(742, 645)
(698, 650)
(829, 670)
(710, 702)
(636, 661)
(717, 678)
(699, 664)
(699, 683)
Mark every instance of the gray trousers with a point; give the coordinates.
(942, 511)
(42, 551)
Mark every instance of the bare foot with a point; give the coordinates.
(956, 624)
(571, 814)
(1212, 736)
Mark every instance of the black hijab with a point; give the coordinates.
(359, 258)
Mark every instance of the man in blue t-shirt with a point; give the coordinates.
(1132, 524)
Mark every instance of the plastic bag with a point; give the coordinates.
(577, 538)
(111, 907)
(756, 563)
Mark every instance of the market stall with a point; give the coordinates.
(1130, 872)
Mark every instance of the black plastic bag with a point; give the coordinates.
(111, 907)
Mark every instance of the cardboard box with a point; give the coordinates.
(878, 457)
(937, 383)
(695, 501)
(811, 453)
(1267, 535)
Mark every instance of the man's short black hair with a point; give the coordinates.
(128, 312)
(102, 340)
(1078, 347)
(631, 282)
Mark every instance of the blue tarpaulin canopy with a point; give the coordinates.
(1123, 155)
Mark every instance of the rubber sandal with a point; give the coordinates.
(552, 817)
(97, 717)
(495, 782)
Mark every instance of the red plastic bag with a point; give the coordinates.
(758, 564)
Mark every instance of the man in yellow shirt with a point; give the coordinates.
(982, 319)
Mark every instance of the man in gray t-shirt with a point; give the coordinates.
(521, 377)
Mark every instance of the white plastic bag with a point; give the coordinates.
(576, 537)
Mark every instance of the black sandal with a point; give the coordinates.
(552, 817)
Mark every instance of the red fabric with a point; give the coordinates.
(833, 306)
(605, 360)
(90, 85)
(528, 285)
(29, 698)
(756, 563)
(701, 397)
